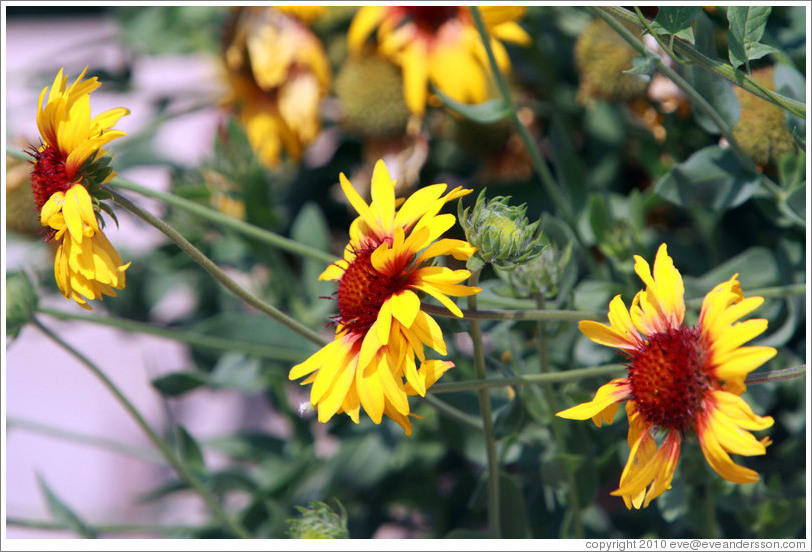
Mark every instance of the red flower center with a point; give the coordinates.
(362, 291)
(431, 18)
(48, 176)
(669, 380)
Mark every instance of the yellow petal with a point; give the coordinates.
(607, 395)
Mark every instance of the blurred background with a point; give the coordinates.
(612, 139)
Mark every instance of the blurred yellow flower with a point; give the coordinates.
(380, 326)
(680, 379)
(278, 74)
(68, 164)
(439, 44)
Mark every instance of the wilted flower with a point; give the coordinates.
(370, 89)
(278, 74)
(439, 44)
(680, 379)
(380, 325)
(762, 130)
(500, 232)
(69, 167)
(601, 57)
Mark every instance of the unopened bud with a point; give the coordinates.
(318, 521)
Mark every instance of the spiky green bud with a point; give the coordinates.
(318, 521)
(501, 233)
(21, 302)
(542, 275)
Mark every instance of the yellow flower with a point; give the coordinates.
(69, 163)
(680, 379)
(380, 326)
(86, 265)
(278, 74)
(439, 44)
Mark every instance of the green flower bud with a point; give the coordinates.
(370, 89)
(21, 302)
(543, 274)
(500, 232)
(318, 521)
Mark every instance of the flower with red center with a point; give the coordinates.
(439, 44)
(277, 73)
(380, 328)
(68, 168)
(681, 380)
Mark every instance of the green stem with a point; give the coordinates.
(166, 451)
(560, 440)
(454, 413)
(226, 221)
(532, 379)
(547, 179)
(776, 375)
(198, 340)
(583, 373)
(142, 453)
(494, 514)
(530, 314)
(110, 528)
(217, 272)
(607, 15)
(688, 53)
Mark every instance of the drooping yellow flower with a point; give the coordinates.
(70, 162)
(439, 44)
(278, 74)
(380, 325)
(680, 379)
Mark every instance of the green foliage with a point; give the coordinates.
(636, 169)
(747, 24)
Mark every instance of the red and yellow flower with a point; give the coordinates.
(680, 380)
(439, 44)
(70, 162)
(387, 266)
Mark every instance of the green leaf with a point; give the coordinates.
(676, 20)
(178, 383)
(712, 178)
(63, 513)
(487, 112)
(644, 66)
(600, 219)
(512, 509)
(756, 268)
(238, 371)
(747, 25)
(189, 450)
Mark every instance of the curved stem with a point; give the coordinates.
(166, 451)
(108, 528)
(454, 413)
(133, 451)
(217, 272)
(547, 179)
(688, 53)
(560, 440)
(217, 217)
(494, 514)
(198, 340)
